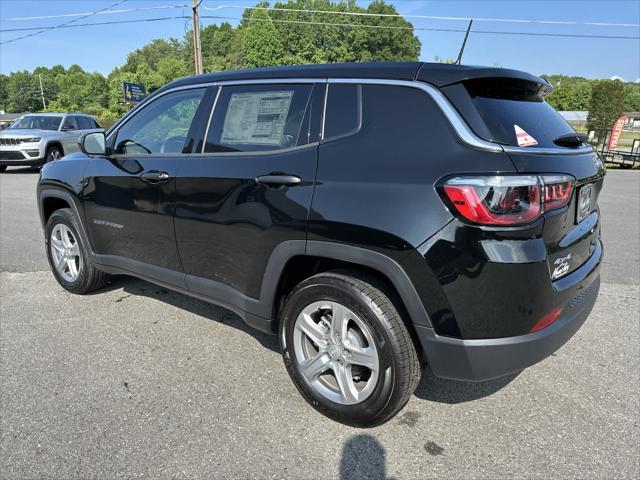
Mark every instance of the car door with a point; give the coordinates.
(129, 194)
(251, 188)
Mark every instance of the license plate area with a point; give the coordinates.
(585, 194)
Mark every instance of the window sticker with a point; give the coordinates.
(524, 139)
(256, 118)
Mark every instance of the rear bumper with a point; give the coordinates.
(483, 359)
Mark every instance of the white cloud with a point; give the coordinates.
(616, 77)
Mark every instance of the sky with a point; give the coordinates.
(100, 48)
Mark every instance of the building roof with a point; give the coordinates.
(438, 74)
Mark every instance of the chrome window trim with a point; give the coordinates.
(213, 109)
(324, 110)
(460, 126)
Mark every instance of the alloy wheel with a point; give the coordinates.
(54, 154)
(335, 352)
(65, 253)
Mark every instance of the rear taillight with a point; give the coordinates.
(507, 199)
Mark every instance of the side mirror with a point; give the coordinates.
(93, 144)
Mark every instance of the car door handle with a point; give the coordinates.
(278, 180)
(155, 177)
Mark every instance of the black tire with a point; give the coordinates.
(53, 152)
(3, 168)
(90, 278)
(400, 368)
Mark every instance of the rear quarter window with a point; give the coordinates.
(512, 112)
(343, 115)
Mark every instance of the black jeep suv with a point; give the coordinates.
(372, 215)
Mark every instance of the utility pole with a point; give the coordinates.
(197, 48)
(464, 42)
(44, 105)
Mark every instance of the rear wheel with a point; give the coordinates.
(68, 256)
(347, 349)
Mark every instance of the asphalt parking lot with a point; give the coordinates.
(136, 381)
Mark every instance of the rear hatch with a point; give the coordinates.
(513, 112)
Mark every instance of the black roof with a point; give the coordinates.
(438, 74)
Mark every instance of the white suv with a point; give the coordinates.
(37, 138)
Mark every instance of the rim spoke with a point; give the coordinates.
(348, 390)
(73, 270)
(315, 366)
(57, 243)
(59, 261)
(311, 329)
(363, 356)
(339, 321)
(74, 250)
(67, 237)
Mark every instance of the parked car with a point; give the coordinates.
(37, 138)
(371, 215)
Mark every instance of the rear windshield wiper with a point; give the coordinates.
(571, 140)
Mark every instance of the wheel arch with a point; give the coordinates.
(54, 143)
(51, 199)
(291, 264)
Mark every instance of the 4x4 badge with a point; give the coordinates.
(562, 266)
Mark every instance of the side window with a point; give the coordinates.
(162, 126)
(95, 124)
(85, 123)
(70, 123)
(343, 115)
(255, 118)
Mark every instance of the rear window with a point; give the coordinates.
(515, 113)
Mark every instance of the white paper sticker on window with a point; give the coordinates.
(256, 118)
(524, 139)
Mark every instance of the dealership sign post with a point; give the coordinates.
(616, 132)
(133, 92)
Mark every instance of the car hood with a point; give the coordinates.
(27, 132)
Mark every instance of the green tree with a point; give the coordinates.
(632, 97)
(607, 104)
(262, 45)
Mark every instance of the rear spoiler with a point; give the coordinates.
(441, 75)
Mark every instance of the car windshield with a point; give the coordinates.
(39, 122)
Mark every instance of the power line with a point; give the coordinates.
(115, 22)
(109, 12)
(360, 14)
(42, 29)
(457, 30)
(427, 17)
(303, 22)
(63, 25)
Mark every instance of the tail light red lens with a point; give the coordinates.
(507, 199)
(557, 191)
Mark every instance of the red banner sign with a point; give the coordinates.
(616, 132)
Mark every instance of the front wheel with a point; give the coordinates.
(347, 349)
(3, 168)
(68, 256)
(53, 153)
